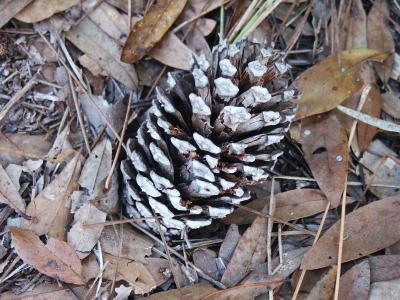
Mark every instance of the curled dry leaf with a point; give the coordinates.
(380, 37)
(39, 10)
(9, 193)
(323, 289)
(366, 232)
(355, 283)
(117, 269)
(99, 46)
(330, 82)
(84, 238)
(324, 142)
(384, 267)
(134, 246)
(56, 259)
(250, 251)
(49, 210)
(151, 29)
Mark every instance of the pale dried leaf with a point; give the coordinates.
(355, 283)
(132, 272)
(134, 246)
(39, 10)
(385, 290)
(193, 292)
(50, 209)
(84, 238)
(172, 52)
(95, 43)
(9, 193)
(323, 290)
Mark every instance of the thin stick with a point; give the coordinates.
(360, 105)
(79, 115)
(340, 249)
(270, 224)
(17, 96)
(110, 174)
(303, 272)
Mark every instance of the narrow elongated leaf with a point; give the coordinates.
(368, 229)
(151, 29)
(56, 259)
(355, 283)
(250, 251)
(9, 193)
(330, 82)
(384, 267)
(50, 209)
(324, 142)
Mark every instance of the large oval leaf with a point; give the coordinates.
(368, 229)
(330, 82)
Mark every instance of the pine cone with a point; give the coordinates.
(213, 132)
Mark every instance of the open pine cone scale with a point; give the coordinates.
(210, 134)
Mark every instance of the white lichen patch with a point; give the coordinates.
(225, 88)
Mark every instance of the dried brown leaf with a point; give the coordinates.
(117, 269)
(9, 8)
(39, 10)
(355, 283)
(330, 82)
(384, 267)
(47, 291)
(9, 193)
(193, 292)
(291, 261)
(172, 52)
(324, 142)
(380, 37)
(151, 29)
(159, 268)
(391, 104)
(134, 246)
(253, 286)
(15, 148)
(250, 251)
(56, 259)
(290, 205)
(368, 229)
(49, 210)
(357, 29)
(82, 238)
(102, 48)
(372, 107)
(323, 289)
